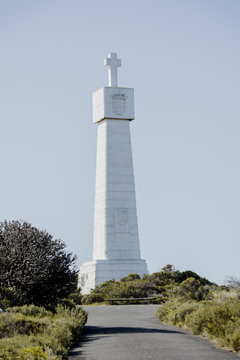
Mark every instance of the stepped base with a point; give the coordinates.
(96, 272)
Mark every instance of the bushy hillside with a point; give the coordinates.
(162, 285)
(187, 300)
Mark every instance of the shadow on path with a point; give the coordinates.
(93, 333)
(121, 330)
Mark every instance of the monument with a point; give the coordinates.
(116, 250)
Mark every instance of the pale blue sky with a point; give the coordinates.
(182, 57)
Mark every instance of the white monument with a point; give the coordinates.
(116, 251)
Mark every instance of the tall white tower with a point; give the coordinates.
(116, 250)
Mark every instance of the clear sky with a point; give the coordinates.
(182, 57)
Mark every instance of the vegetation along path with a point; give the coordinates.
(133, 332)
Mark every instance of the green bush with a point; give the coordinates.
(23, 347)
(76, 296)
(218, 320)
(31, 310)
(186, 309)
(175, 311)
(92, 298)
(192, 289)
(44, 335)
(235, 338)
(35, 267)
(215, 319)
(129, 287)
(165, 284)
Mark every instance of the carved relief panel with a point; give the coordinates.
(121, 220)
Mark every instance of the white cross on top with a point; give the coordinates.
(112, 62)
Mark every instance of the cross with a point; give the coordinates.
(112, 62)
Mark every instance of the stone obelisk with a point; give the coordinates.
(116, 250)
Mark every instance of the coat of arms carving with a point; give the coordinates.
(119, 103)
(83, 279)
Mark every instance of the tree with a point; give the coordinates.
(232, 282)
(34, 268)
(130, 277)
(167, 276)
(190, 274)
(191, 288)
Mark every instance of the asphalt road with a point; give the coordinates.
(132, 332)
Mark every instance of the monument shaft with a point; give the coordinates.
(115, 217)
(116, 250)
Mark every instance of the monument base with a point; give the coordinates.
(96, 272)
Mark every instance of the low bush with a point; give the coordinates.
(217, 320)
(34, 333)
(234, 339)
(31, 310)
(92, 298)
(163, 285)
(175, 311)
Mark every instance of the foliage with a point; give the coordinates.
(163, 285)
(217, 319)
(130, 277)
(35, 268)
(175, 311)
(93, 298)
(192, 288)
(125, 288)
(31, 310)
(76, 296)
(32, 333)
(235, 339)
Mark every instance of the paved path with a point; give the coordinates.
(132, 332)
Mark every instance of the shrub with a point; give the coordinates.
(218, 320)
(130, 277)
(166, 284)
(76, 297)
(31, 310)
(175, 311)
(92, 298)
(24, 348)
(43, 336)
(186, 309)
(235, 338)
(191, 288)
(35, 353)
(35, 267)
